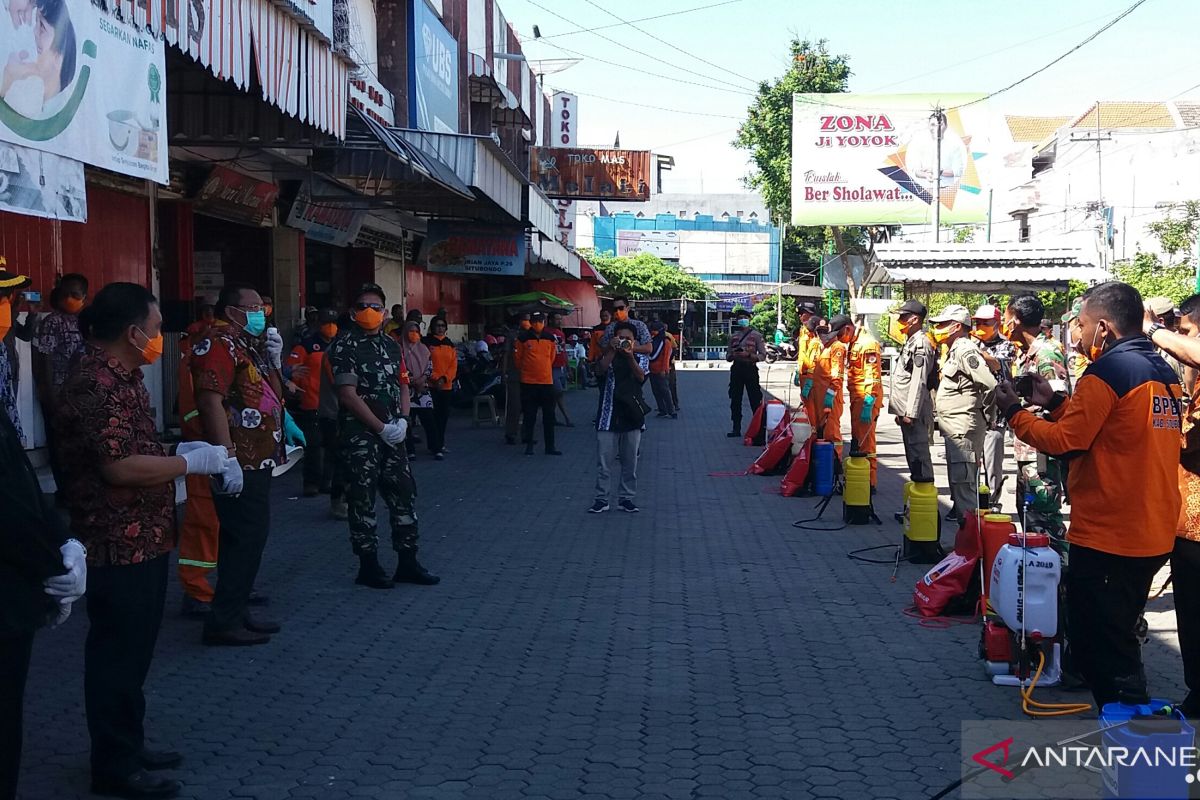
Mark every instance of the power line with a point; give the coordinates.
(647, 72)
(643, 19)
(645, 105)
(660, 40)
(1040, 70)
(738, 89)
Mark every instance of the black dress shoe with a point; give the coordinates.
(193, 608)
(238, 637)
(159, 759)
(258, 599)
(409, 570)
(554, 452)
(138, 785)
(257, 625)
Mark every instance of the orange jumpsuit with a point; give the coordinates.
(201, 530)
(830, 374)
(865, 376)
(808, 350)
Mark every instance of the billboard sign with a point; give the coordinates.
(664, 244)
(337, 225)
(872, 159)
(581, 173)
(564, 132)
(41, 184)
(474, 249)
(725, 253)
(433, 72)
(94, 92)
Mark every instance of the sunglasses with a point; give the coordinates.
(365, 306)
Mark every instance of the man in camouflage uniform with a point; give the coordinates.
(1000, 354)
(1039, 477)
(372, 389)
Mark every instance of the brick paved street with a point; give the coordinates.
(701, 648)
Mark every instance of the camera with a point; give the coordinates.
(624, 344)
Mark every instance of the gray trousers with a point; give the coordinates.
(660, 384)
(916, 450)
(993, 463)
(962, 453)
(613, 447)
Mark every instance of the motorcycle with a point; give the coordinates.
(776, 352)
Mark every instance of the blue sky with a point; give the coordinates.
(919, 46)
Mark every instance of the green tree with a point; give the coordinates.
(645, 276)
(763, 317)
(1176, 278)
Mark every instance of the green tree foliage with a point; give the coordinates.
(645, 276)
(763, 317)
(767, 131)
(1146, 273)
(1177, 234)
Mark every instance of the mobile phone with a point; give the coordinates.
(1023, 385)
(33, 297)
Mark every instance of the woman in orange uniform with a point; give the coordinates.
(444, 357)
(829, 378)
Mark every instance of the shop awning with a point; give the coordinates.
(587, 273)
(525, 298)
(990, 267)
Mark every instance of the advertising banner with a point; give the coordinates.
(564, 132)
(237, 196)
(872, 159)
(581, 173)
(86, 86)
(41, 184)
(474, 249)
(433, 72)
(337, 225)
(664, 244)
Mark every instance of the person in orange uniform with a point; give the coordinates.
(303, 371)
(1122, 430)
(829, 378)
(595, 350)
(444, 357)
(865, 376)
(534, 357)
(200, 532)
(808, 348)
(660, 369)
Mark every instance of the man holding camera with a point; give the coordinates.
(746, 349)
(620, 417)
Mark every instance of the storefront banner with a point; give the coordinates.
(41, 184)
(433, 72)
(474, 249)
(873, 159)
(93, 93)
(337, 225)
(581, 173)
(237, 196)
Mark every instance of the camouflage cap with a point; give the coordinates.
(1074, 312)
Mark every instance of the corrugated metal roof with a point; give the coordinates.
(1001, 267)
(1189, 113)
(752, 287)
(1126, 114)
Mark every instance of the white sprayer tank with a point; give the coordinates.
(775, 411)
(1025, 579)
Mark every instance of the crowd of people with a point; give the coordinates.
(1110, 422)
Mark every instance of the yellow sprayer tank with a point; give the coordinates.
(920, 512)
(858, 481)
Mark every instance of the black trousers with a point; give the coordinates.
(15, 650)
(535, 396)
(743, 377)
(331, 479)
(1185, 581)
(1106, 594)
(125, 610)
(425, 415)
(318, 461)
(441, 416)
(245, 523)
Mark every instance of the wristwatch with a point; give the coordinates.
(1154, 328)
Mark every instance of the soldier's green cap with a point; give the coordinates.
(1074, 312)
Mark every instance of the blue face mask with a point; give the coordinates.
(256, 322)
(743, 323)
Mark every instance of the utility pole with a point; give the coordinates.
(1099, 138)
(938, 118)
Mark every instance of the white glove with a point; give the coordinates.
(394, 432)
(70, 586)
(203, 458)
(231, 477)
(274, 348)
(64, 611)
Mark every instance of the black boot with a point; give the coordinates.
(370, 573)
(409, 570)
(736, 432)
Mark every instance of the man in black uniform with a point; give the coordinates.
(33, 546)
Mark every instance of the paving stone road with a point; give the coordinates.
(701, 648)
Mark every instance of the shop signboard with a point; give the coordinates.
(41, 184)
(337, 225)
(474, 249)
(94, 93)
(873, 159)
(564, 132)
(581, 173)
(433, 71)
(237, 196)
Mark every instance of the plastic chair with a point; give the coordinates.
(484, 400)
